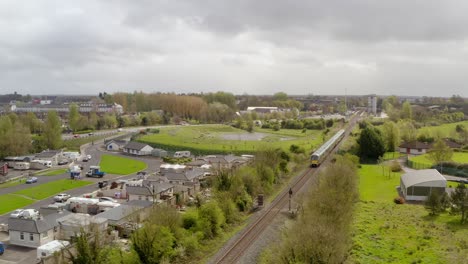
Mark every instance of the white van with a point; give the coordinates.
(182, 154)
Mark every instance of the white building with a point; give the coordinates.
(372, 104)
(419, 184)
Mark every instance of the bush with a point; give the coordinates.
(399, 200)
(395, 166)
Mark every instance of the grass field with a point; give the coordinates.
(444, 131)
(120, 165)
(374, 186)
(52, 172)
(45, 190)
(460, 157)
(211, 139)
(384, 232)
(10, 202)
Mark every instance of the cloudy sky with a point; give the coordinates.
(403, 47)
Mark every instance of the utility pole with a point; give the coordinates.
(290, 196)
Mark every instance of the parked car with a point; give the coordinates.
(62, 162)
(103, 184)
(31, 180)
(87, 158)
(61, 197)
(90, 134)
(76, 136)
(17, 213)
(107, 199)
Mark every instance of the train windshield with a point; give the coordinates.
(315, 157)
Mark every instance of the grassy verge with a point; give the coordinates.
(52, 172)
(384, 232)
(10, 184)
(211, 139)
(45, 190)
(120, 165)
(10, 202)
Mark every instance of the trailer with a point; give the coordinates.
(21, 166)
(50, 248)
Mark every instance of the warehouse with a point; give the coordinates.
(418, 185)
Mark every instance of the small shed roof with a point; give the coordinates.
(430, 177)
(135, 145)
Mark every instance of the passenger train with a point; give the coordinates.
(320, 154)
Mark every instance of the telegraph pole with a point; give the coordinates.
(290, 196)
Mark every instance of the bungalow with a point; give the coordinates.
(115, 145)
(133, 211)
(137, 148)
(35, 231)
(149, 190)
(414, 147)
(187, 177)
(53, 156)
(220, 162)
(419, 184)
(418, 147)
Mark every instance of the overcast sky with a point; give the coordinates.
(402, 47)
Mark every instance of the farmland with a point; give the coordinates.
(459, 157)
(442, 131)
(226, 139)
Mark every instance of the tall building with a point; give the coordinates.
(372, 104)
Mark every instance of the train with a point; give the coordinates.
(320, 154)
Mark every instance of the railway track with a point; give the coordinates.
(235, 251)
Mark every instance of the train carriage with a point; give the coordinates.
(320, 154)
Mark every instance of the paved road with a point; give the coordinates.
(96, 151)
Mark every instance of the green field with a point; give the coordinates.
(442, 131)
(227, 139)
(10, 202)
(52, 172)
(374, 186)
(459, 157)
(384, 232)
(45, 190)
(120, 165)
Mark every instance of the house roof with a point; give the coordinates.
(37, 226)
(197, 163)
(187, 175)
(224, 159)
(119, 212)
(147, 188)
(451, 143)
(135, 145)
(48, 154)
(119, 142)
(430, 177)
(415, 145)
(140, 203)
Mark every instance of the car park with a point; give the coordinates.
(62, 197)
(31, 180)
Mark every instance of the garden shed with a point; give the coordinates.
(419, 184)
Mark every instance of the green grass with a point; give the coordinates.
(120, 165)
(392, 155)
(10, 184)
(444, 131)
(384, 232)
(208, 139)
(374, 186)
(10, 202)
(460, 157)
(45, 190)
(52, 172)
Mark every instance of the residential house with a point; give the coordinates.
(137, 148)
(149, 190)
(418, 147)
(34, 232)
(115, 144)
(221, 162)
(187, 177)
